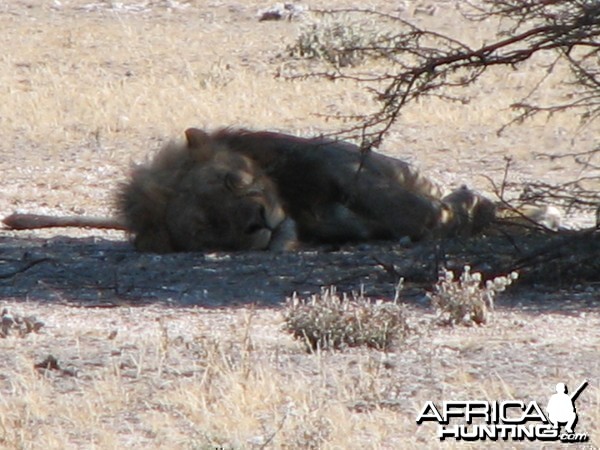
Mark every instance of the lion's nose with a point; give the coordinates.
(257, 220)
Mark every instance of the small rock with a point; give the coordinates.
(50, 363)
(281, 11)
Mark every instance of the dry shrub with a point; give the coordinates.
(339, 42)
(333, 321)
(466, 301)
(18, 325)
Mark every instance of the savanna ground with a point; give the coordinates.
(87, 88)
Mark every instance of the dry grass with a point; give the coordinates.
(86, 91)
(93, 89)
(192, 378)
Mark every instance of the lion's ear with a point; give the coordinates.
(196, 138)
(200, 145)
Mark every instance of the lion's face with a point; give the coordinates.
(224, 205)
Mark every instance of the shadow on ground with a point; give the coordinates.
(96, 272)
(109, 272)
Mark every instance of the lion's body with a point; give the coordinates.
(335, 193)
(242, 190)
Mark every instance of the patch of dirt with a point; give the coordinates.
(90, 87)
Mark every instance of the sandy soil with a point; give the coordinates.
(88, 88)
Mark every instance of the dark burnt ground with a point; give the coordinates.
(100, 272)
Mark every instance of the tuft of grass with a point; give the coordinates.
(339, 42)
(332, 321)
(467, 301)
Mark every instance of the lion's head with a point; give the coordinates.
(201, 196)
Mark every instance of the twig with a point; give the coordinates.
(25, 268)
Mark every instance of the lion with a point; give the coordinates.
(247, 190)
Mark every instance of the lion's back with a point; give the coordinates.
(335, 192)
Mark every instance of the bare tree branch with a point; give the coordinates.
(425, 63)
(430, 64)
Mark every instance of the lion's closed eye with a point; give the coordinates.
(238, 181)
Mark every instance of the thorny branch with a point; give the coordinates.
(424, 63)
(427, 63)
